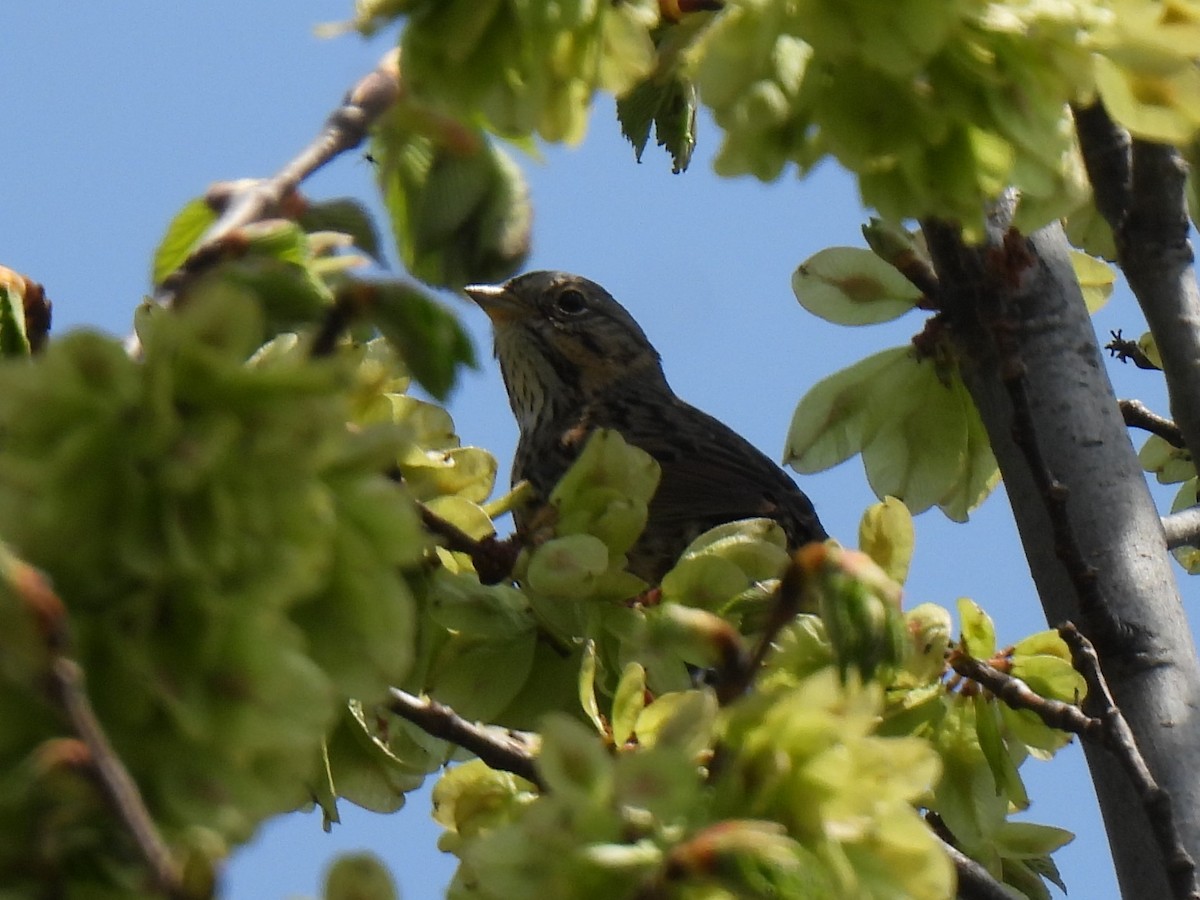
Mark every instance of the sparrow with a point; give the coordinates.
(574, 360)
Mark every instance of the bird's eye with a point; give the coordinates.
(571, 302)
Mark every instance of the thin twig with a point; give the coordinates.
(1138, 415)
(492, 557)
(1108, 728)
(974, 881)
(1119, 739)
(69, 692)
(1124, 350)
(786, 603)
(1017, 694)
(345, 129)
(503, 749)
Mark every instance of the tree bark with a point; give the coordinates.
(1091, 534)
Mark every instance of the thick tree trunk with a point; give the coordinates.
(1091, 534)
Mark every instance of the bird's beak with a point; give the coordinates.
(495, 300)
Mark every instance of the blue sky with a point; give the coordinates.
(116, 114)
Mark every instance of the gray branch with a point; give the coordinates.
(974, 881)
(1090, 531)
(242, 203)
(1182, 529)
(1139, 188)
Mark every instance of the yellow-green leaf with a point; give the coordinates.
(1095, 279)
(886, 534)
(852, 286)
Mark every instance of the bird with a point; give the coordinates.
(574, 360)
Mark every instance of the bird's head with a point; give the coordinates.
(562, 340)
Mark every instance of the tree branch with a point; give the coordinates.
(1105, 149)
(1129, 351)
(1118, 738)
(1108, 728)
(1017, 694)
(508, 751)
(974, 881)
(1029, 356)
(253, 200)
(1140, 190)
(492, 557)
(69, 692)
(1137, 415)
(1156, 257)
(1182, 529)
(786, 603)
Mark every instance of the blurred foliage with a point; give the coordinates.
(231, 515)
(935, 106)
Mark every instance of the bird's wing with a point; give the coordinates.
(707, 466)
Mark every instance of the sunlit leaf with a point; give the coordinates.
(852, 286)
(182, 234)
(886, 534)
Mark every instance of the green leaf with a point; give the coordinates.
(1028, 840)
(1149, 347)
(980, 473)
(681, 719)
(428, 337)
(628, 702)
(526, 68)
(886, 534)
(365, 770)
(459, 603)
(183, 232)
(1170, 464)
(1162, 106)
(567, 566)
(929, 628)
(345, 216)
(978, 633)
(573, 761)
(587, 688)
(472, 798)
(460, 512)
(834, 420)
(860, 607)
(1087, 230)
(460, 211)
(853, 286)
(606, 491)
(1004, 771)
(918, 452)
(914, 423)
(1050, 676)
(13, 340)
(1095, 277)
(667, 103)
(466, 472)
(359, 876)
(479, 677)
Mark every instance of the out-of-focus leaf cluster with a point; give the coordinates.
(520, 68)
(231, 523)
(935, 106)
(459, 205)
(234, 562)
